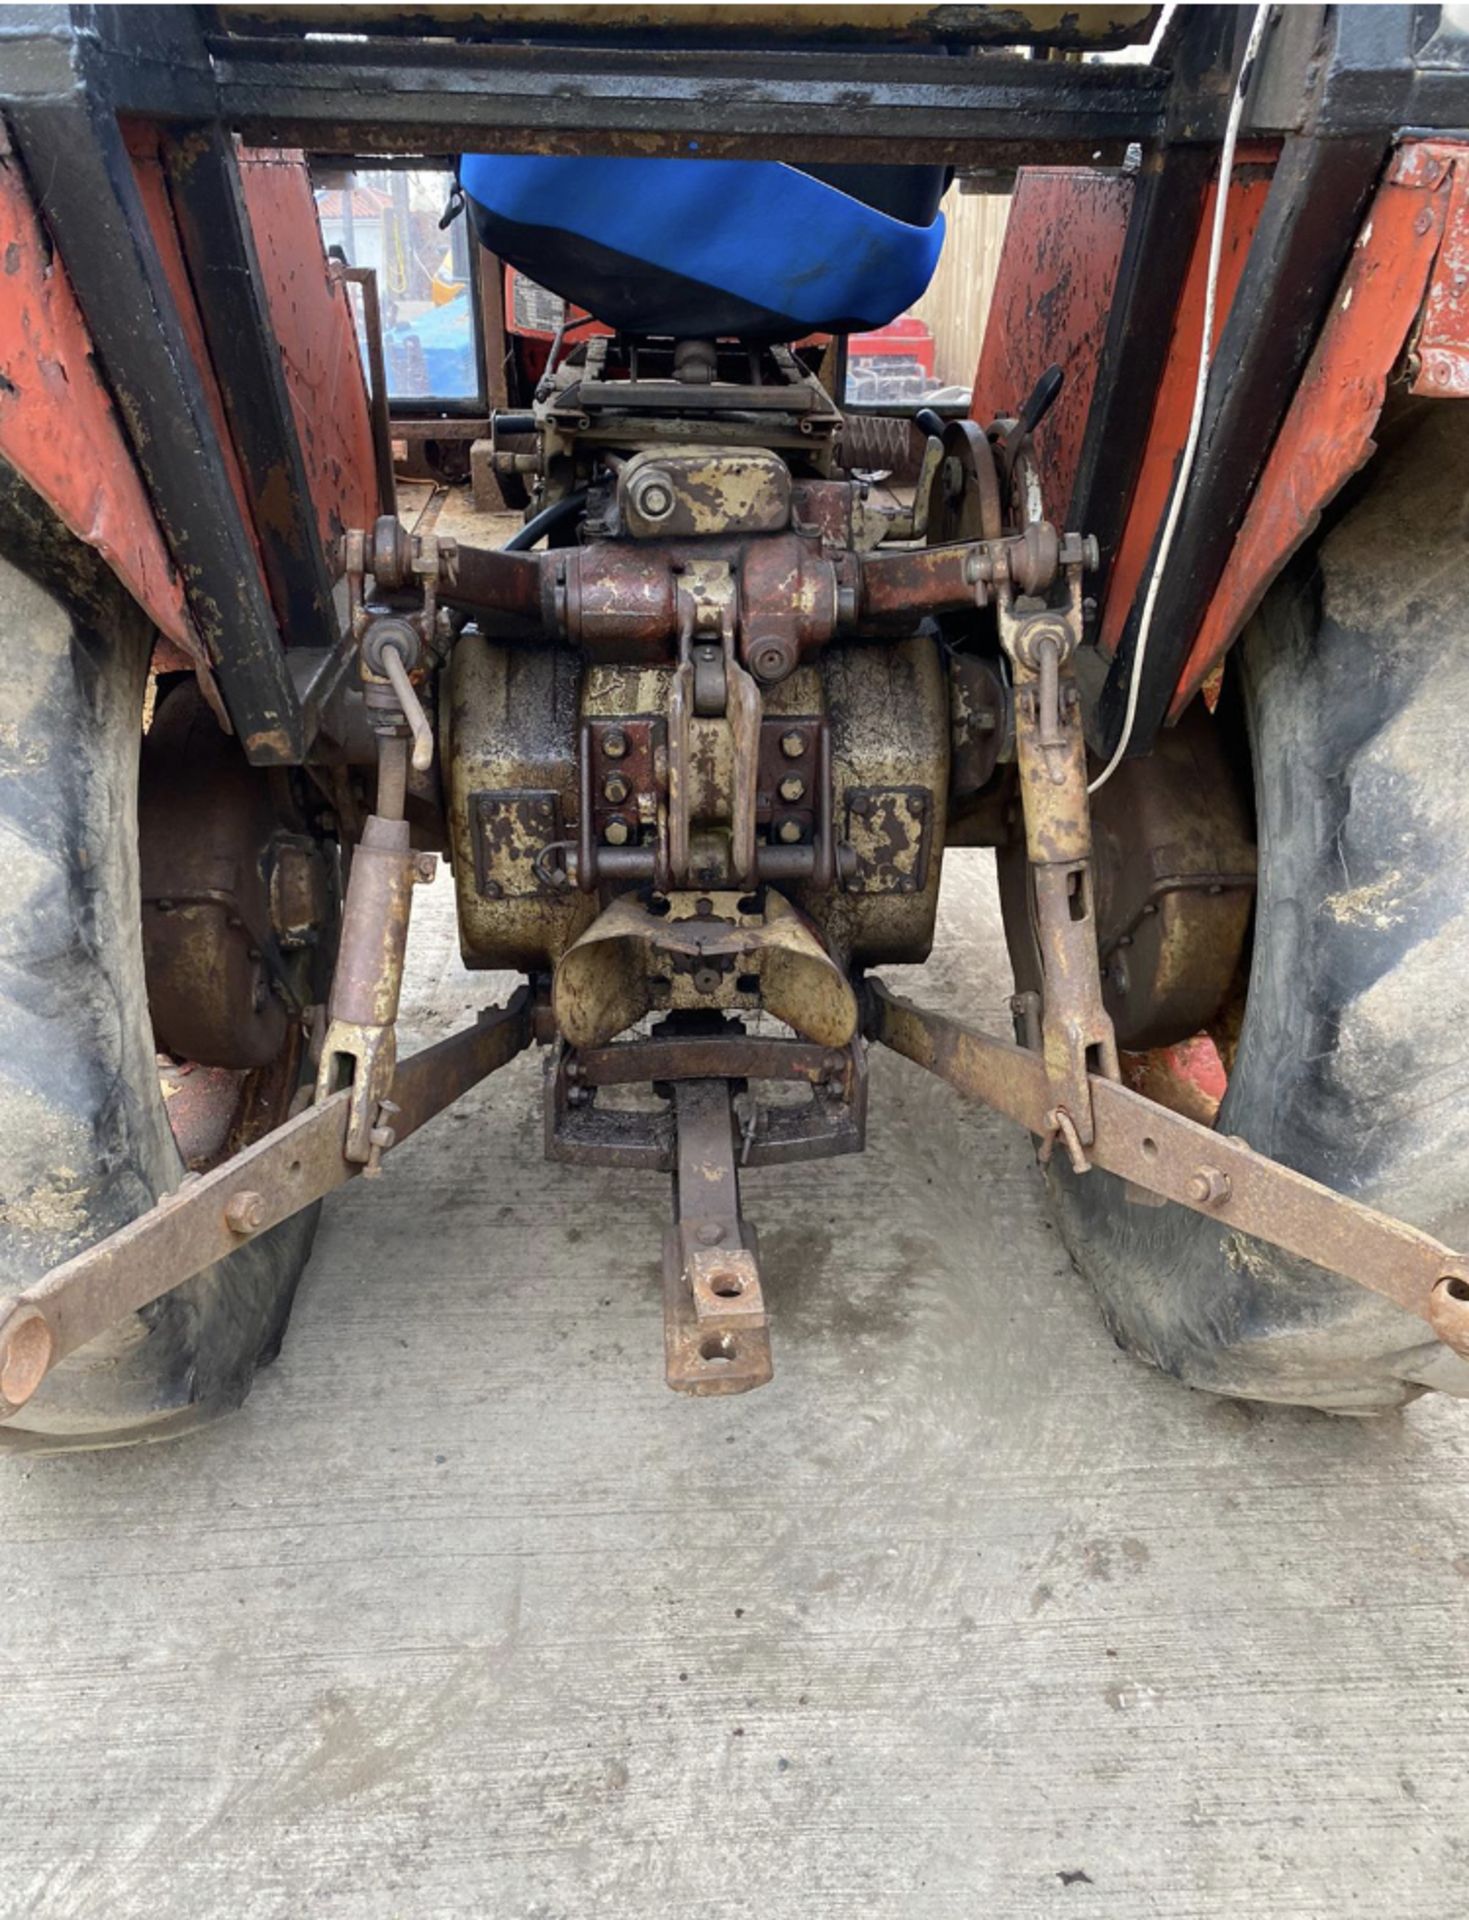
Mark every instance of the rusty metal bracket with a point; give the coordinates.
(581, 1130)
(367, 984)
(209, 1217)
(362, 1012)
(397, 652)
(1210, 1173)
(713, 702)
(1076, 1030)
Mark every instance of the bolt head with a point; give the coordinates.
(793, 744)
(616, 833)
(614, 743)
(770, 660)
(1209, 1187)
(792, 789)
(615, 789)
(788, 832)
(653, 496)
(244, 1212)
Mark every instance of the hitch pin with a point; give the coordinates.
(1050, 734)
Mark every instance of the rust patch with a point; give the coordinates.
(1053, 291)
(889, 830)
(1442, 346)
(310, 309)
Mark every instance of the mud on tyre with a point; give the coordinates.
(85, 1139)
(1353, 1062)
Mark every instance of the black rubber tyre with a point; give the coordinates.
(1353, 1064)
(85, 1144)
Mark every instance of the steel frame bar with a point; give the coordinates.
(834, 105)
(65, 128)
(1166, 209)
(219, 250)
(1309, 225)
(746, 22)
(1210, 1173)
(1161, 229)
(365, 279)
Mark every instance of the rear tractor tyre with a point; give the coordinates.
(85, 1139)
(1353, 1061)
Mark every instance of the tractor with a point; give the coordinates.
(520, 519)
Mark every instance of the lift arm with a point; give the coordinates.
(1165, 1154)
(1159, 1151)
(213, 1214)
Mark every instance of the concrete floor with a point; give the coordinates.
(965, 1616)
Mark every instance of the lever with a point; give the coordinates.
(396, 675)
(1043, 396)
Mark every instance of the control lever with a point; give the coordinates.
(1043, 396)
(395, 671)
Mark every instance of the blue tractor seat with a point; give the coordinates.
(706, 249)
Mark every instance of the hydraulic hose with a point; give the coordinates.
(546, 521)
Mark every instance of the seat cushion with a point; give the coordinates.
(707, 248)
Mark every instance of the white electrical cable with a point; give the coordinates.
(1201, 389)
